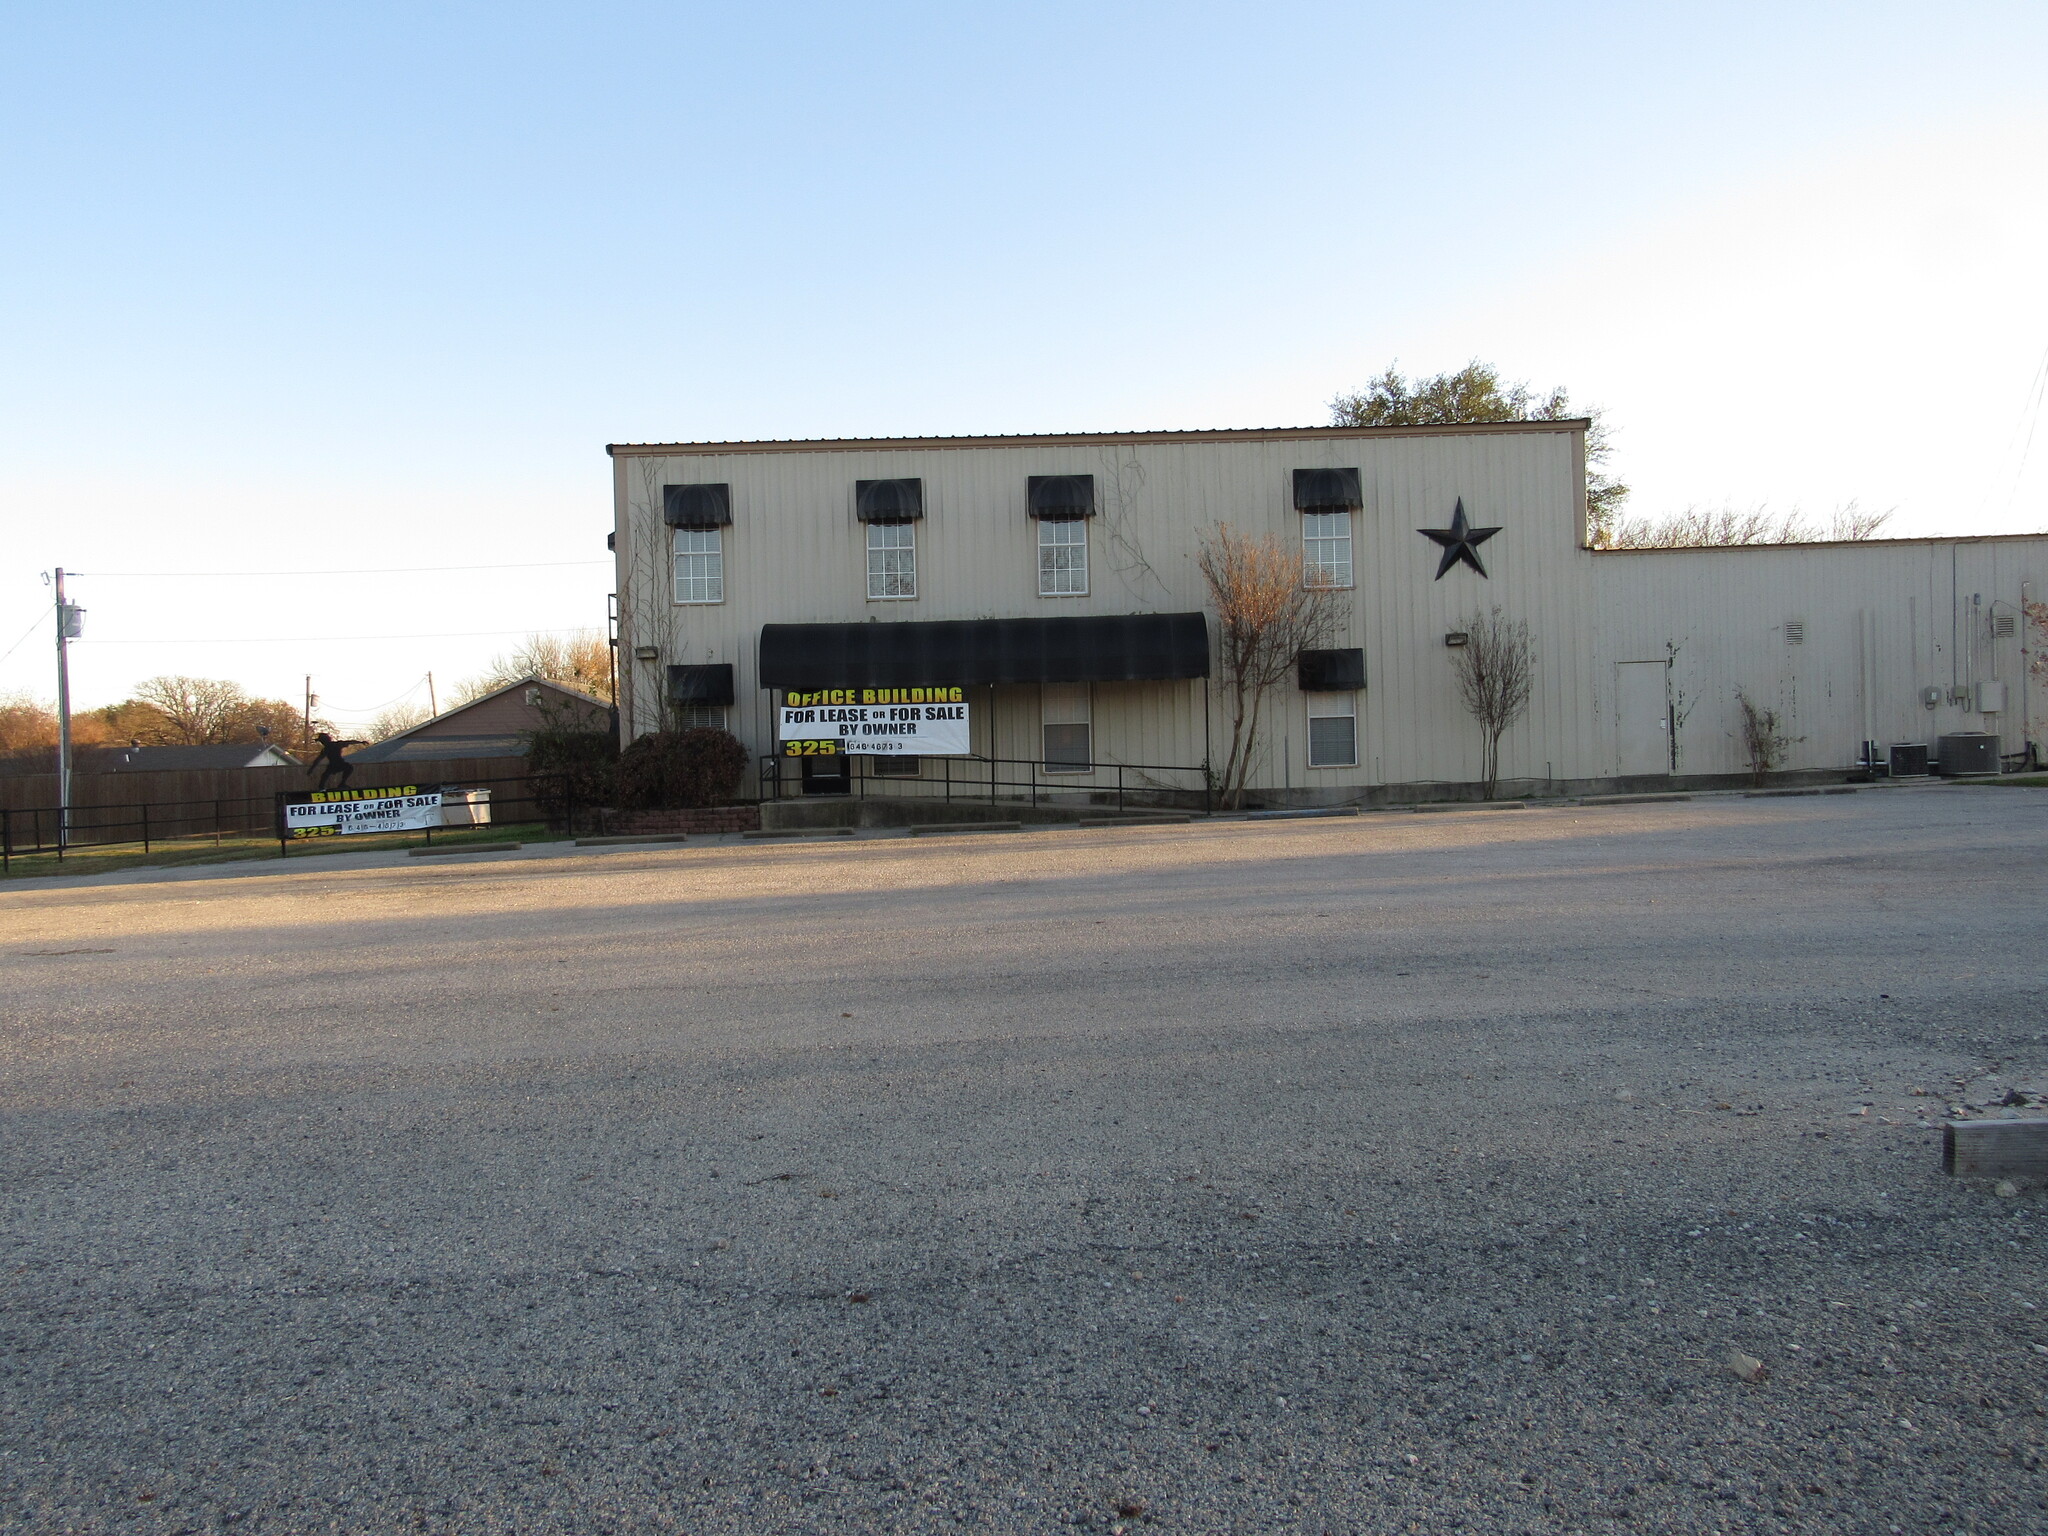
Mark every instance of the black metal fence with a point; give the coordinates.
(49, 830)
(1180, 786)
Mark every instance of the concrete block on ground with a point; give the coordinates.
(1995, 1149)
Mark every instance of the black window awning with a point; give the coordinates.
(1112, 648)
(888, 501)
(1326, 490)
(696, 506)
(1062, 498)
(1331, 671)
(706, 684)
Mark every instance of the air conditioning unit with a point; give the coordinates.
(1968, 752)
(1909, 760)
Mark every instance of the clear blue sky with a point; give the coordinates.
(285, 287)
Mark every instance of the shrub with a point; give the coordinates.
(572, 768)
(681, 770)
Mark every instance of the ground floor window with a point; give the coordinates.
(1332, 730)
(1065, 718)
(895, 767)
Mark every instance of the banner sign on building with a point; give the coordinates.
(342, 812)
(885, 722)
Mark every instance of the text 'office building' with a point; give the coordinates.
(933, 603)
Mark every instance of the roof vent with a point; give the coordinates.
(1795, 632)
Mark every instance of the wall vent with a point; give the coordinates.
(1795, 632)
(2004, 626)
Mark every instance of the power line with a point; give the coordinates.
(382, 570)
(446, 634)
(25, 634)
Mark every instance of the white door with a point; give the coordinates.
(1642, 717)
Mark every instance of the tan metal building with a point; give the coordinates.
(1053, 580)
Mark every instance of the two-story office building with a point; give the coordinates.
(1037, 602)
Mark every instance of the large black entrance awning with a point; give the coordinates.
(1112, 648)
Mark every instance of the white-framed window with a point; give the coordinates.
(700, 565)
(1063, 557)
(896, 767)
(1068, 735)
(1332, 730)
(892, 559)
(690, 717)
(1326, 549)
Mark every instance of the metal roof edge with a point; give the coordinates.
(1084, 439)
(1733, 549)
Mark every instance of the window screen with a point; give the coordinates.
(895, 767)
(1332, 730)
(1065, 712)
(691, 717)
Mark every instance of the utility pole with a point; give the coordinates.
(307, 734)
(432, 707)
(70, 624)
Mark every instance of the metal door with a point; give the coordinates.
(1642, 717)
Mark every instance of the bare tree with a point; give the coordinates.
(582, 661)
(1267, 614)
(1763, 738)
(1725, 526)
(194, 711)
(1496, 669)
(399, 717)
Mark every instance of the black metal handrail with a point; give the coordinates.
(980, 773)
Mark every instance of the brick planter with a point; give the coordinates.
(717, 818)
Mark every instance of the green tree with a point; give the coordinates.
(1475, 393)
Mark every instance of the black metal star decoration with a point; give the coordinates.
(1461, 542)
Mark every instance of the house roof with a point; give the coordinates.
(240, 754)
(1082, 439)
(412, 745)
(405, 749)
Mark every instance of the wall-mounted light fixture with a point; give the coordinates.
(646, 652)
(1457, 637)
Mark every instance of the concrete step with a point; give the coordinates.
(623, 839)
(422, 853)
(1631, 799)
(942, 829)
(785, 833)
(1475, 805)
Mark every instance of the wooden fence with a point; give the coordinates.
(197, 786)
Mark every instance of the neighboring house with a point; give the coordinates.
(241, 754)
(497, 724)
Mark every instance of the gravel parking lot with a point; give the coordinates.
(1401, 1173)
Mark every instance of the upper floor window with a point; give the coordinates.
(1326, 549)
(700, 565)
(1326, 498)
(1063, 559)
(892, 560)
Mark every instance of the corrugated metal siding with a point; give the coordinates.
(1721, 614)
(795, 552)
